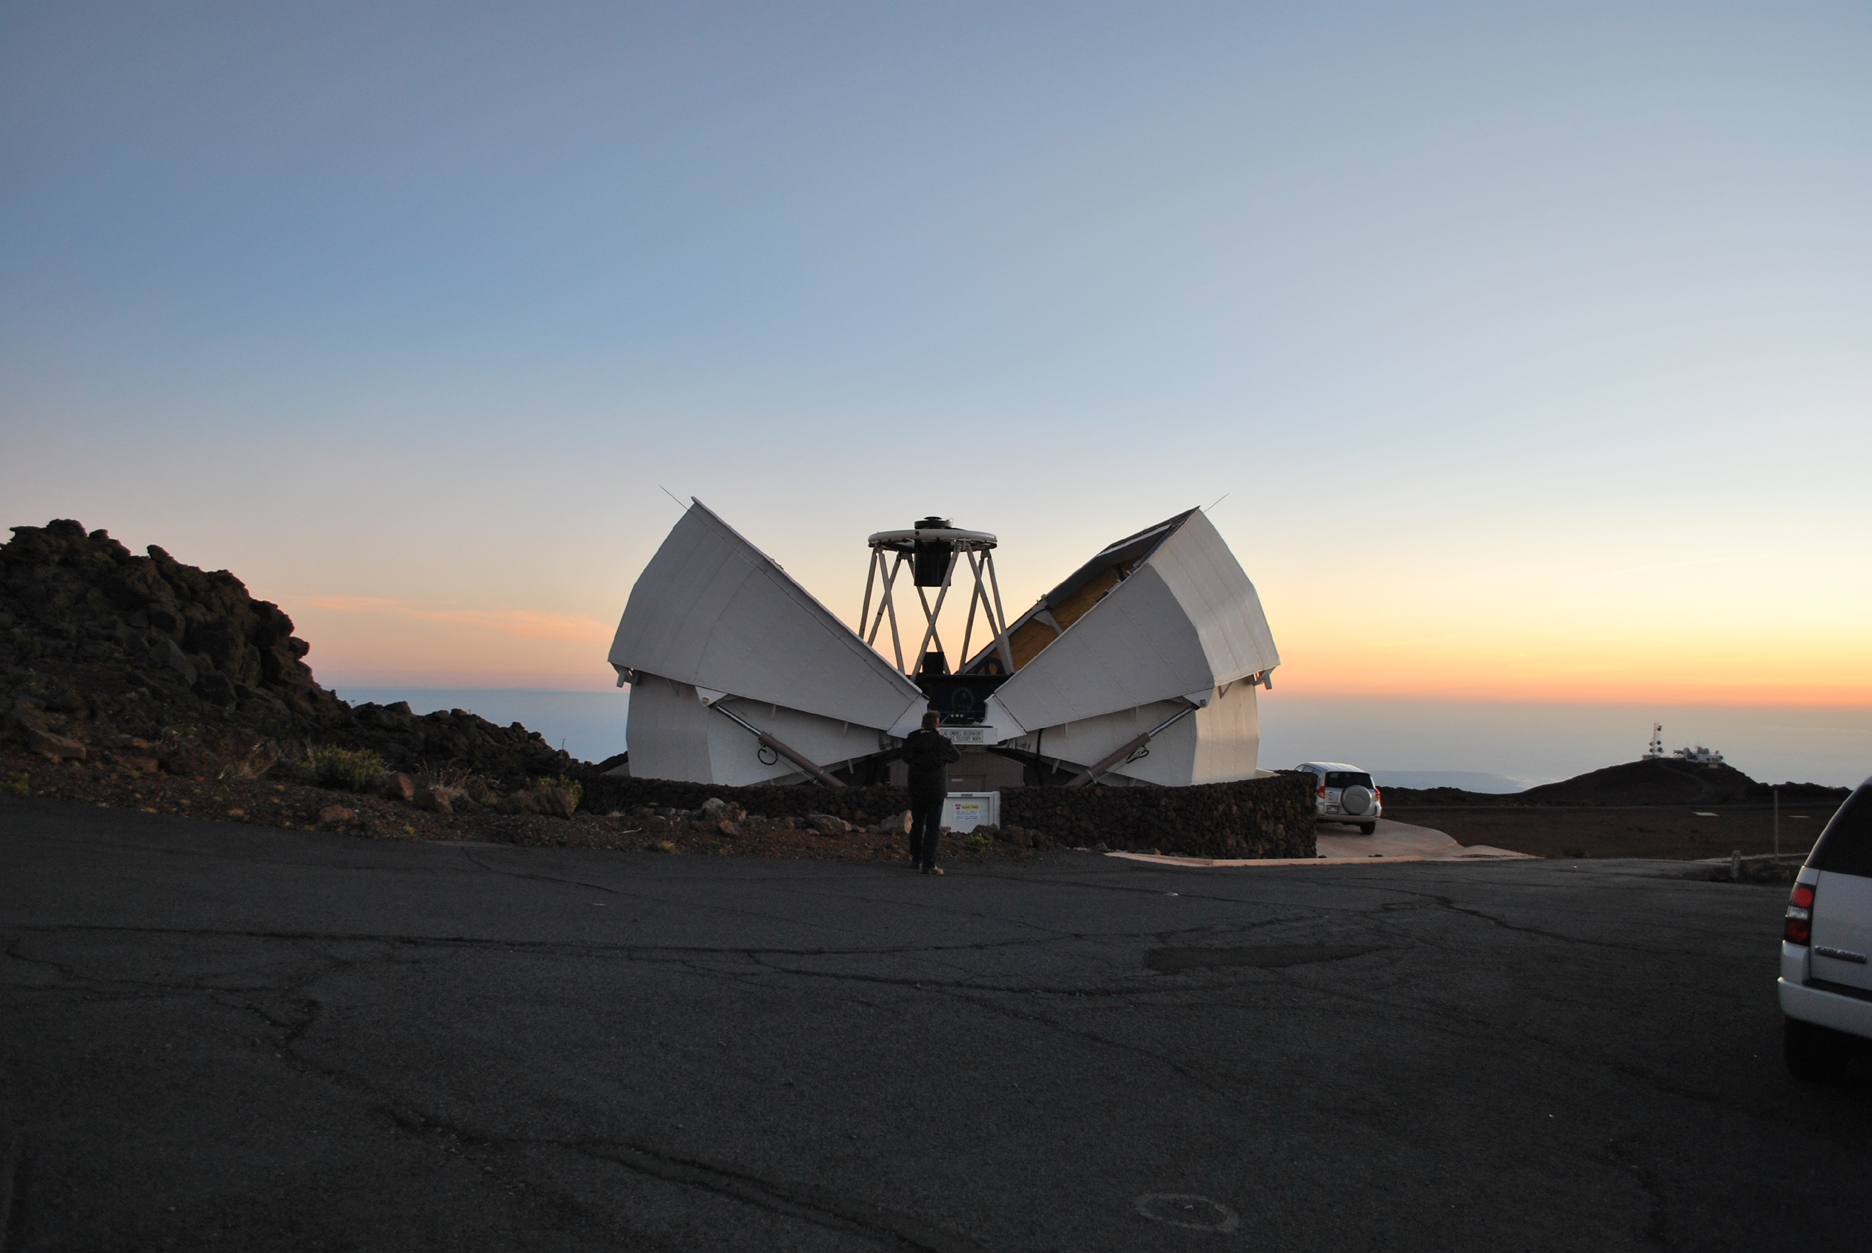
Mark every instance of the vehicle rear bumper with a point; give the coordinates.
(1827, 1009)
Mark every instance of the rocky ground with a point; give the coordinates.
(100, 648)
(1652, 808)
(1677, 832)
(277, 798)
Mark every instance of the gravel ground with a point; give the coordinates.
(1668, 831)
(281, 802)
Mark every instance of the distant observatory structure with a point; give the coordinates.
(1699, 756)
(1140, 668)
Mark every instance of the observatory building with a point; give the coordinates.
(1140, 668)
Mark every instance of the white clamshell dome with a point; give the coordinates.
(1160, 625)
(1171, 614)
(1151, 625)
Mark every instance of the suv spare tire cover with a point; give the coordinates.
(1355, 799)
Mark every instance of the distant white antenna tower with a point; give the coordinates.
(1655, 749)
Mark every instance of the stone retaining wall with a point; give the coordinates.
(1250, 818)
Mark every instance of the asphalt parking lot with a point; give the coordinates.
(220, 1036)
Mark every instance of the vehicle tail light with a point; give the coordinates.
(1797, 926)
(1322, 789)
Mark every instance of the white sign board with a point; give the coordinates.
(964, 811)
(966, 735)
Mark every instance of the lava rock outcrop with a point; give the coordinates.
(102, 647)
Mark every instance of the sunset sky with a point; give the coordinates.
(1526, 349)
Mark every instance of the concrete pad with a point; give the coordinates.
(1344, 846)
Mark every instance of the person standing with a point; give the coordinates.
(927, 751)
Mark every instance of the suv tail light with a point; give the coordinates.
(1797, 926)
(1322, 789)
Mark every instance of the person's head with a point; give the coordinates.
(931, 720)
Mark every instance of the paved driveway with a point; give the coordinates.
(218, 1036)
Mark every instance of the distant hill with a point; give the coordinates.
(1656, 781)
(1653, 781)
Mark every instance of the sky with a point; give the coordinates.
(1522, 351)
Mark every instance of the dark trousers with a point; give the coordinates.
(925, 828)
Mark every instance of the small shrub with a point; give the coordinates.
(573, 786)
(455, 775)
(350, 769)
(262, 757)
(19, 785)
(976, 842)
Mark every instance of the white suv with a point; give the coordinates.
(1345, 794)
(1825, 984)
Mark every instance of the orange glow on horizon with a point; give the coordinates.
(524, 623)
(1501, 663)
(363, 641)
(1440, 639)
(1533, 689)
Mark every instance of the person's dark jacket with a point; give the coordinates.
(927, 752)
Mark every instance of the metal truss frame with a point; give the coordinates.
(891, 551)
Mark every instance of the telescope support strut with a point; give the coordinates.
(768, 741)
(1128, 747)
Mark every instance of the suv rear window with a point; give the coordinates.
(1846, 845)
(1347, 778)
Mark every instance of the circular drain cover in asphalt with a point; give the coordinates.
(1183, 1209)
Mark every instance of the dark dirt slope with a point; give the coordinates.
(1653, 782)
(1665, 781)
(98, 644)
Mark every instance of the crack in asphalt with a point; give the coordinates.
(1200, 1078)
(1657, 1231)
(543, 878)
(12, 1192)
(1447, 903)
(789, 1198)
(976, 993)
(1172, 961)
(795, 1200)
(636, 951)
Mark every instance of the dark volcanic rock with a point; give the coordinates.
(215, 688)
(98, 642)
(82, 612)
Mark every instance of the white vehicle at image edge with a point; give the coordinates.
(1345, 794)
(1826, 984)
